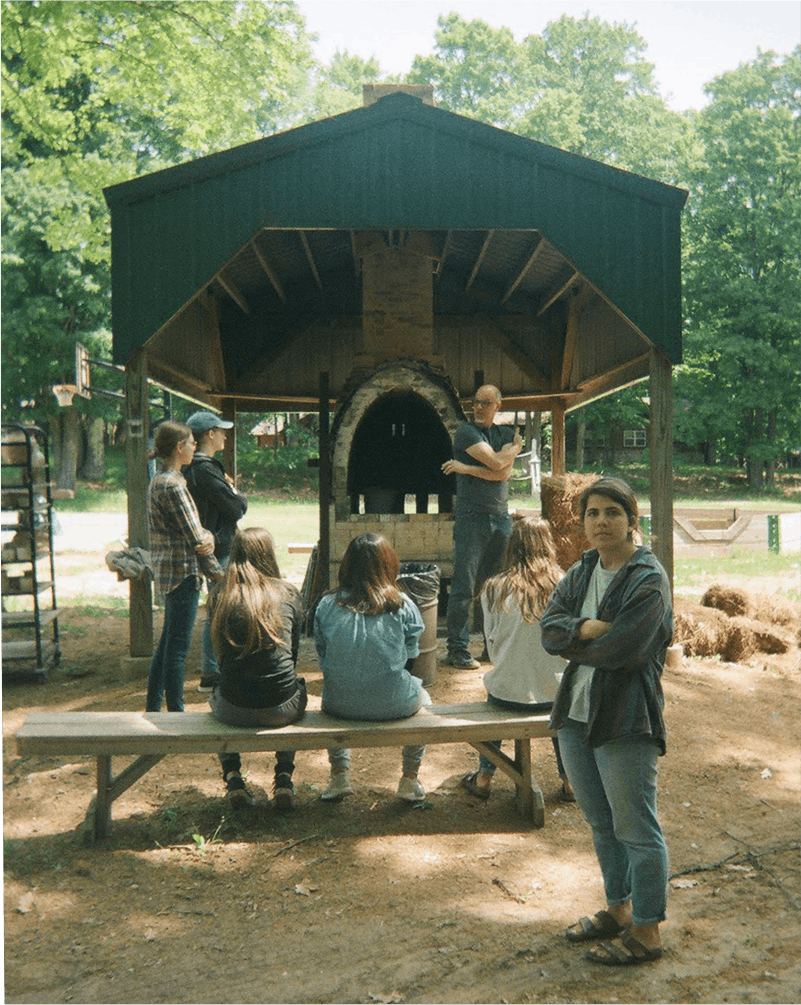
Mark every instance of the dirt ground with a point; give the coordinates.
(374, 900)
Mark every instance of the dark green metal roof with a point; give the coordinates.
(397, 164)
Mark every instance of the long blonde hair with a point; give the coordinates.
(530, 570)
(249, 596)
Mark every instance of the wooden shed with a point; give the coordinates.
(376, 266)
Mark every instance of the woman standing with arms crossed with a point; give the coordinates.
(366, 633)
(612, 617)
(255, 627)
(178, 545)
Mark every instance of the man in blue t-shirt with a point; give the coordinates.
(483, 458)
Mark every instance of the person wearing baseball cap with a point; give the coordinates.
(220, 506)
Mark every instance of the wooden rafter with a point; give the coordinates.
(310, 257)
(558, 292)
(232, 291)
(268, 270)
(515, 352)
(635, 367)
(446, 247)
(577, 304)
(480, 259)
(524, 271)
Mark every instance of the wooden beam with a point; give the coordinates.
(446, 248)
(514, 352)
(324, 550)
(229, 450)
(575, 307)
(268, 270)
(137, 430)
(480, 259)
(310, 258)
(640, 364)
(233, 292)
(558, 438)
(560, 291)
(524, 271)
(660, 450)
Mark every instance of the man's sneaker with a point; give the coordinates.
(464, 661)
(237, 792)
(410, 790)
(338, 788)
(207, 684)
(283, 791)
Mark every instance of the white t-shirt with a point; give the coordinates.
(582, 678)
(522, 671)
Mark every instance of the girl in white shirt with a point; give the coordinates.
(523, 676)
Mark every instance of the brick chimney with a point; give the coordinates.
(374, 92)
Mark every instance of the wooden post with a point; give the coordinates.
(137, 428)
(557, 438)
(229, 450)
(660, 443)
(324, 548)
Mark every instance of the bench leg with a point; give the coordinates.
(98, 818)
(528, 795)
(529, 798)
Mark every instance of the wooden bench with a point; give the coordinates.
(150, 736)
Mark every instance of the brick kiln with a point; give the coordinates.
(389, 439)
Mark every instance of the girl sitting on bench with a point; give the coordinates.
(255, 628)
(524, 676)
(366, 635)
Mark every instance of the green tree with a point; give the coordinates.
(743, 268)
(583, 85)
(337, 86)
(95, 93)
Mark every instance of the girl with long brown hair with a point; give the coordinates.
(255, 628)
(524, 676)
(366, 634)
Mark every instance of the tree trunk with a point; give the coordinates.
(94, 464)
(581, 435)
(67, 428)
(754, 462)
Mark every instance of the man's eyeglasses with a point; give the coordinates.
(482, 402)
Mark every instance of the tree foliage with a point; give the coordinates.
(95, 93)
(743, 268)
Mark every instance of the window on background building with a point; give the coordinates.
(634, 438)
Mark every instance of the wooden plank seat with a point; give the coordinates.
(150, 736)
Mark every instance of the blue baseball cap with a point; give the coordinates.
(202, 422)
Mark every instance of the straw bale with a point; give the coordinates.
(559, 495)
(776, 609)
(730, 599)
(740, 641)
(766, 638)
(569, 548)
(701, 630)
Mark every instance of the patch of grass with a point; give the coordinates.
(691, 572)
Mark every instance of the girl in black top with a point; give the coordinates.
(255, 627)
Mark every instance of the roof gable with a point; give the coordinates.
(397, 164)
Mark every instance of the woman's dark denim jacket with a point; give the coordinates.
(626, 696)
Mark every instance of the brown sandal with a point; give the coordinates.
(625, 951)
(605, 927)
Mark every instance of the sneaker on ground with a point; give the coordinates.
(237, 792)
(206, 684)
(338, 787)
(283, 791)
(464, 661)
(411, 790)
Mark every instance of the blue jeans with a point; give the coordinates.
(166, 677)
(615, 787)
(208, 658)
(479, 542)
(485, 765)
